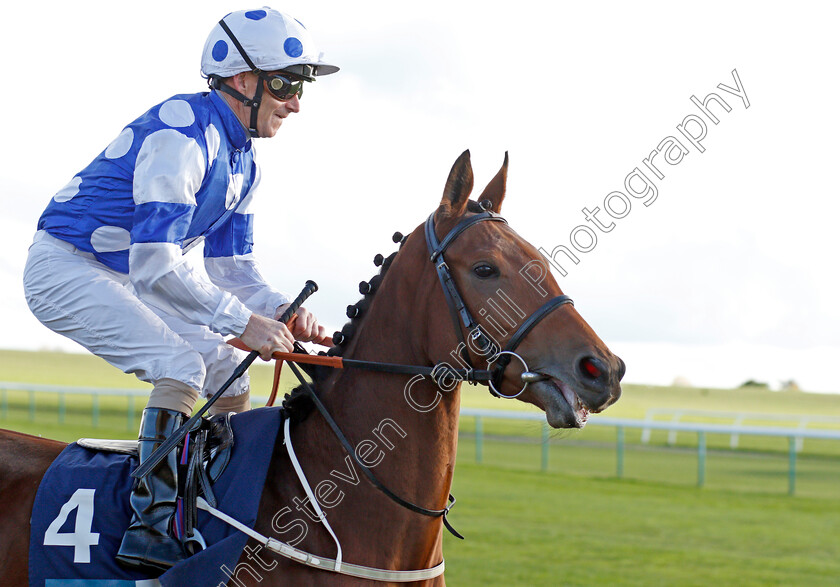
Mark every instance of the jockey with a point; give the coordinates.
(107, 266)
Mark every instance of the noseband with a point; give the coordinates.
(461, 315)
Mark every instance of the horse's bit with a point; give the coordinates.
(461, 315)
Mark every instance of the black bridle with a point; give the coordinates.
(460, 316)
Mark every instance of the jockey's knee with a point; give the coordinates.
(238, 396)
(187, 366)
(177, 388)
(219, 367)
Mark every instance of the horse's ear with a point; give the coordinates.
(459, 185)
(495, 190)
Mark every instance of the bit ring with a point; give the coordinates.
(524, 364)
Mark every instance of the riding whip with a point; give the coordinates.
(170, 443)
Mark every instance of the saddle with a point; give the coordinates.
(92, 486)
(203, 457)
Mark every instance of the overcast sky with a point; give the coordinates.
(730, 273)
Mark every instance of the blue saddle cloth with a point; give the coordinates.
(82, 509)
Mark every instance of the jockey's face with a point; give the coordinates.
(272, 111)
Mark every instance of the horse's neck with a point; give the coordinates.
(428, 417)
(405, 421)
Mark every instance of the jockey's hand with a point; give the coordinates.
(305, 328)
(267, 336)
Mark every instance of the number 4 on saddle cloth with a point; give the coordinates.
(82, 509)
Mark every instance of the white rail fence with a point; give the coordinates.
(738, 419)
(795, 435)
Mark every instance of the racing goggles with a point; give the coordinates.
(281, 87)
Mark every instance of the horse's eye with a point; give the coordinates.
(485, 271)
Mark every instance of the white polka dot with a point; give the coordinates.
(67, 192)
(120, 145)
(211, 137)
(234, 190)
(109, 239)
(176, 113)
(169, 168)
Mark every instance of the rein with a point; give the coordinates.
(461, 317)
(459, 313)
(437, 372)
(442, 513)
(340, 363)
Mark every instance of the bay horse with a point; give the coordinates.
(404, 427)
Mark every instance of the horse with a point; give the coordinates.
(405, 428)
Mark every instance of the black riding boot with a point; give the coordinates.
(147, 543)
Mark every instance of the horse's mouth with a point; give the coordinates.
(563, 407)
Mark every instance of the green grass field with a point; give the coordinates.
(576, 523)
(526, 528)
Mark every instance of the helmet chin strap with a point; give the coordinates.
(253, 103)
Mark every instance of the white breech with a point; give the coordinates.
(73, 294)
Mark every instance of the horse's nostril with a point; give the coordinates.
(590, 367)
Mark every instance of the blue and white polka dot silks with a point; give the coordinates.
(271, 39)
(181, 173)
(174, 175)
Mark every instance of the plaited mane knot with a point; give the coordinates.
(357, 311)
(298, 404)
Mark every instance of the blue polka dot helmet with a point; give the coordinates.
(271, 40)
